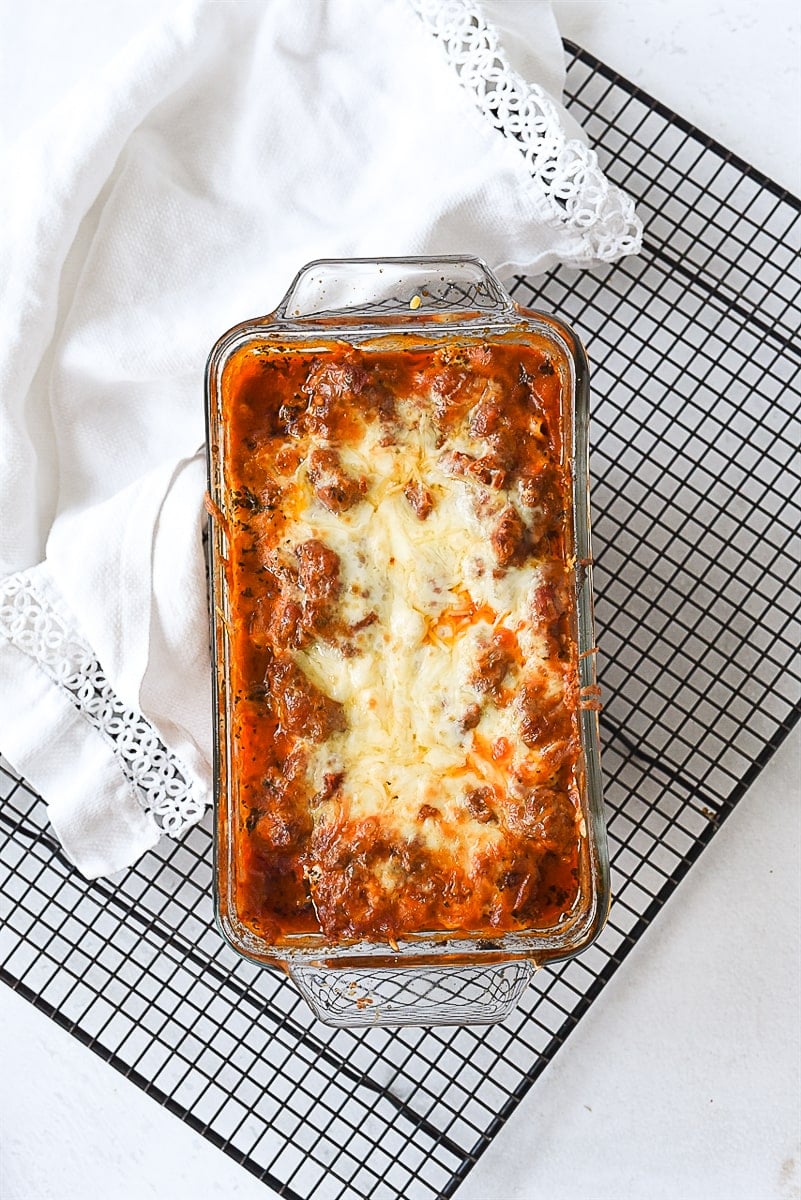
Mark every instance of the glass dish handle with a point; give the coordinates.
(410, 288)
(353, 997)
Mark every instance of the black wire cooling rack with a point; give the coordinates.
(696, 500)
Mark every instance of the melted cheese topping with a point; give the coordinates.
(407, 691)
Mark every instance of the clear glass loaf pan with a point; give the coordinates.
(438, 977)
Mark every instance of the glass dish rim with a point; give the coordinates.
(441, 948)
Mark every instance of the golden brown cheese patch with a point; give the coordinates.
(404, 716)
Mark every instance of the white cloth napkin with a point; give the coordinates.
(172, 192)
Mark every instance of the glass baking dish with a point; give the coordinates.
(439, 977)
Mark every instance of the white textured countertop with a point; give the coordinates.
(683, 1079)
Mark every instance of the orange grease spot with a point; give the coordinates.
(454, 620)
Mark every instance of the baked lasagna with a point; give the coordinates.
(402, 669)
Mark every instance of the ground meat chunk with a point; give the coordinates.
(332, 485)
(260, 621)
(544, 718)
(419, 498)
(378, 399)
(494, 662)
(539, 518)
(475, 470)
(318, 576)
(318, 570)
(477, 801)
(263, 499)
(277, 614)
(552, 581)
(508, 538)
(549, 601)
(279, 825)
(328, 382)
(455, 390)
(286, 627)
(300, 596)
(487, 416)
(302, 708)
(334, 390)
(471, 717)
(503, 451)
(549, 604)
(279, 818)
(546, 815)
(540, 487)
(490, 421)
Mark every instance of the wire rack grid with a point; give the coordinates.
(696, 436)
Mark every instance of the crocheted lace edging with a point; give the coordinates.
(159, 780)
(571, 189)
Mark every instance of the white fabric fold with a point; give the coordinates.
(174, 191)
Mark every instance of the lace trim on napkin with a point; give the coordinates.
(159, 780)
(572, 188)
